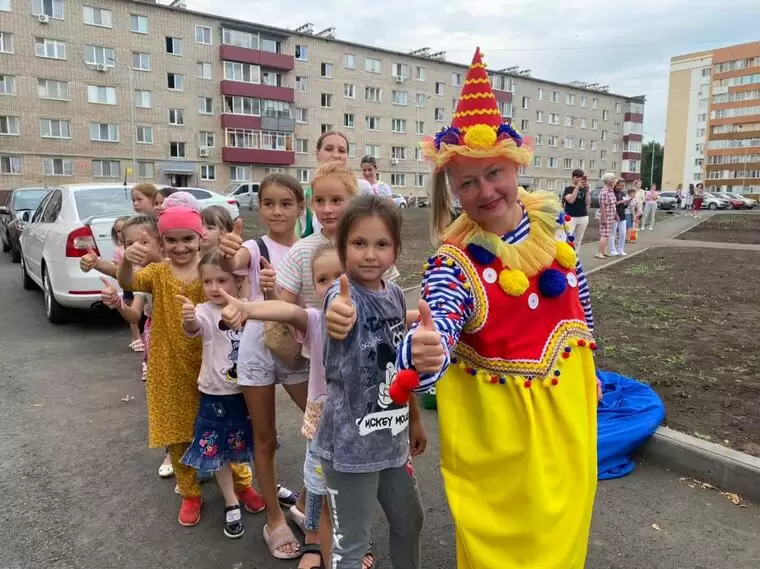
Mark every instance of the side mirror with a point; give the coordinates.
(26, 216)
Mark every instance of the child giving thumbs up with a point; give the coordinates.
(189, 320)
(341, 315)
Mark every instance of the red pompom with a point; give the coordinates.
(408, 379)
(592, 345)
(527, 384)
(581, 343)
(565, 355)
(555, 381)
(438, 262)
(567, 218)
(398, 395)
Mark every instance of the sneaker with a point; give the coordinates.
(286, 496)
(613, 254)
(651, 229)
(623, 254)
(190, 511)
(166, 470)
(251, 500)
(233, 522)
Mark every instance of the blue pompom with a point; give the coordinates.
(482, 256)
(552, 283)
(447, 135)
(506, 128)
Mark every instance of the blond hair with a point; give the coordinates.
(146, 188)
(441, 206)
(341, 172)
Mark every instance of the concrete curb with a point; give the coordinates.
(723, 467)
(702, 220)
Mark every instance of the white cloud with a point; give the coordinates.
(624, 45)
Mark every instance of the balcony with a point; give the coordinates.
(258, 156)
(631, 155)
(633, 117)
(258, 90)
(505, 96)
(247, 122)
(633, 137)
(257, 57)
(630, 176)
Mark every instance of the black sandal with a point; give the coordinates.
(314, 549)
(371, 557)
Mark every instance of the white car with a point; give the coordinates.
(207, 198)
(70, 220)
(399, 200)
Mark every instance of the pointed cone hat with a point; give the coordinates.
(477, 103)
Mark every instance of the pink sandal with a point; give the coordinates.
(283, 535)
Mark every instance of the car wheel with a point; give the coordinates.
(712, 206)
(26, 280)
(55, 313)
(402, 205)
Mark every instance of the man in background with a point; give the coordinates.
(576, 201)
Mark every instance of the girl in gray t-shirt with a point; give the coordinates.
(364, 437)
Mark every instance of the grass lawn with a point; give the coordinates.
(727, 228)
(686, 322)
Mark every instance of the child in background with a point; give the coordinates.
(160, 197)
(222, 427)
(362, 437)
(631, 214)
(174, 360)
(143, 195)
(281, 201)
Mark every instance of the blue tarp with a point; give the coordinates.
(629, 414)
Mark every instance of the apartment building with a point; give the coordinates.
(713, 124)
(115, 89)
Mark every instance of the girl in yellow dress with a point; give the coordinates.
(506, 326)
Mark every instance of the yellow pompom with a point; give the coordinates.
(513, 282)
(566, 256)
(480, 136)
(449, 263)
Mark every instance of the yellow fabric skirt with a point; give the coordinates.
(519, 466)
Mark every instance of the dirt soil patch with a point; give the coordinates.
(685, 322)
(592, 231)
(727, 228)
(416, 245)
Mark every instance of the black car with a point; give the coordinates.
(12, 217)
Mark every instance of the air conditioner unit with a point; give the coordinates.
(394, 161)
(102, 67)
(43, 19)
(203, 152)
(399, 79)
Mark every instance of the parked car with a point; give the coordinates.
(712, 201)
(733, 202)
(666, 201)
(399, 200)
(11, 217)
(69, 221)
(595, 198)
(207, 198)
(246, 194)
(749, 203)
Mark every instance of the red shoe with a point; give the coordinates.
(251, 500)
(190, 511)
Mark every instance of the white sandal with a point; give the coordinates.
(298, 517)
(166, 470)
(137, 345)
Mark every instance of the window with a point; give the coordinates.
(553, 118)
(569, 142)
(419, 127)
(302, 146)
(102, 132)
(539, 116)
(54, 128)
(603, 154)
(6, 42)
(372, 65)
(539, 140)
(348, 120)
(569, 99)
(419, 180)
(98, 55)
(57, 167)
(325, 100)
(303, 175)
(594, 103)
(505, 108)
(202, 35)
(101, 95)
(584, 101)
(173, 45)
(204, 70)
(325, 70)
(551, 162)
(240, 39)
(271, 78)
(52, 89)
(399, 97)
(593, 144)
(569, 120)
(594, 124)
(398, 152)
(10, 165)
(419, 73)
(400, 70)
(242, 105)
(142, 99)
(702, 117)
(418, 156)
(372, 123)
(438, 114)
(243, 72)
(453, 105)
(525, 102)
(270, 45)
(145, 170)
(537, 161)
(177, 149)
(138, 24)
(175, 81)
(373, 150)
(208, 172)
(240, 173)
(540, 94)
(349, 61)
(619, 107)
(604, 135)
(241, 138)
(555, 97)
(592, 164)
(583, 123)
(51, 49)
(106, 169)
(140, 61)
(98, 17)
(145, 134)
(9, 126)
(302, 83)
(374, 94)
(439, 87)
(206, 139)
(324, 127)
(206, 105)
(302, 116)
(51, 8)
(552, 141)
(398, 179)
(302, 53)
(605, 115)
(176, 116)
(524, 125)
(582, 143)
(398, 125)
(349, 91)
(456, 79)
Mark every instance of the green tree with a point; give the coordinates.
(649, 149)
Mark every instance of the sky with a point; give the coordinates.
(626, 46)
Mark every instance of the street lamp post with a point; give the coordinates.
(131, 101)
(416, 161)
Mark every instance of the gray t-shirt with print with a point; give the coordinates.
(362, 429)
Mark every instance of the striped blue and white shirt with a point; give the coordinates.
(445, 293)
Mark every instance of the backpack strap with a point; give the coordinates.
(263, 249)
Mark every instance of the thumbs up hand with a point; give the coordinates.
(267, 276)
(341, 315)
(88, 261)
(231, 242)
(234, 314)
(137, 254)
(188, 309)
(109, 295)
(427, 351)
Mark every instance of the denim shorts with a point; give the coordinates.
(313, 477)
(223, 433)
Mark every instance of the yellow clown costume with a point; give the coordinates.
(517, 396)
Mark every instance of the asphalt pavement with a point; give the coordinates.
(79, 487)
